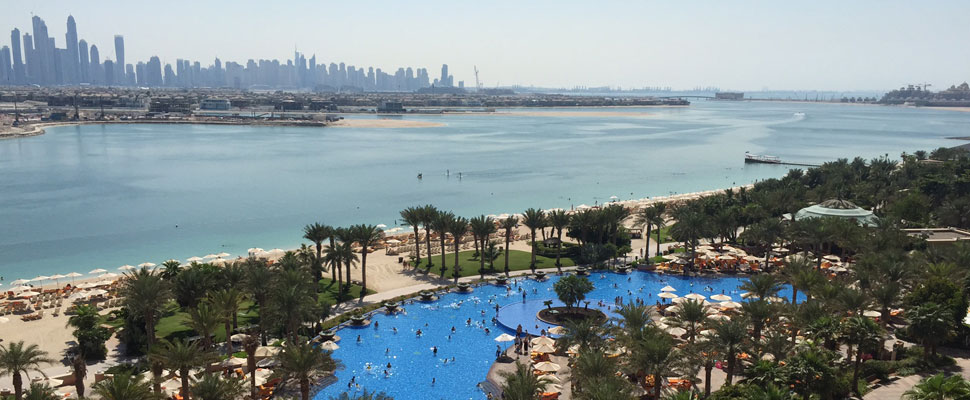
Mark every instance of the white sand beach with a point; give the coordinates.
(383, 123)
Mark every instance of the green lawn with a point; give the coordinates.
(664, 235)
(518, 260)
(174, 325)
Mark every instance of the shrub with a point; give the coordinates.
(877, 369)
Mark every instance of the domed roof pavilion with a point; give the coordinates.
(840, 209)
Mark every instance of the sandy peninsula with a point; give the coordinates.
(591, 114)
(961, 109)
(383, 123)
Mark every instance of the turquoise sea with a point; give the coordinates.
(100, 196)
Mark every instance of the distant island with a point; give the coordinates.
(919, 95)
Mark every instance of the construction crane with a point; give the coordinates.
(478, 83)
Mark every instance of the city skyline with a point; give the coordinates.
(43, 63)
(750, 45)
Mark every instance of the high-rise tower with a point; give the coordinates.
(18, 63)
(119, 64)
(71, 69)
(43, 70)
(84, 67)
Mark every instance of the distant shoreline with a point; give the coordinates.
(36, 129)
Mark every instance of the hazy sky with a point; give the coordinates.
(746, 45)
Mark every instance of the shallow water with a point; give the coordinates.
(413, 364)
(100, 196)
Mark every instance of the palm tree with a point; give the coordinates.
(730, 336)
(123, 386)
(595, 377)
(814, 233)
(533, 219)
(508, 224)
(762, 286)
(645, 218)
(492, 252)
(292, 302)
(458, 227)
(17, 359)
(318, 233)
(250, 344)
(860, 332)
(203, 319)
(659, 222)
(584, 333)
(633, 319)
(343, 253)
(692, 317)
(365, 236)
(654, 353)
(705, 354)
(145, 294)
(522, 384)
(170, 269)
(482, 227)
(182, 356)
(226, 303)
(691, 225)
(79, 368)
(428, 216)
(559, 220)
(931, 324)
(801, 276)
(440, 223)
(758, 312)
(411, 216)
(41, 391)
(213, 387)
(939, 387)
(257, 275)
(88, 331)
(301, 362)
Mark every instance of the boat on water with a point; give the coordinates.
(798, 114)
(760, 159)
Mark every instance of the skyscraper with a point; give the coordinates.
(84, 67)
(119, 63)
(18, 63)
(29, 63)
(43, 71)
(96, 75)
(443, 81)
(71, 69)
(109, 72)
(6, 72)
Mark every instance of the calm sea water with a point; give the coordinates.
(100, 196)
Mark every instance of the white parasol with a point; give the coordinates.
(505, 337)
(547, 366)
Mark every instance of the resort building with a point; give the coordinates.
(938, 236)
(839, 209)
(215, 104)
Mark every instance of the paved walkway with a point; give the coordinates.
(896, 389)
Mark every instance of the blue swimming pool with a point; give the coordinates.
(413, 364)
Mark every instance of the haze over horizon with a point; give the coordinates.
(745, 45)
